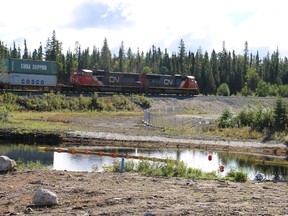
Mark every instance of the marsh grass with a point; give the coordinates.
(238, 176)
(30, 165)
(171, 168)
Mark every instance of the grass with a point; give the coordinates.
(172, 168)
(29, 121)
(238, 176)
(30, 165)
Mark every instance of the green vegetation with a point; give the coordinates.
(238, 176)
(171, 168)
(25, 114)
(223, 90)
(51, 102)
(30, 165)
(259, 119)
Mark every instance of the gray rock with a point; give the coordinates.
(6, 164)
(44, 197)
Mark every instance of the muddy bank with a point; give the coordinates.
(32, 137)
(114, 139)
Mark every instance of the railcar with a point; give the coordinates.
(20, 74)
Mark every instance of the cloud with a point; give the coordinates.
(141, 24)
(97, 15)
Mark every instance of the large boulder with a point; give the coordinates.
(44, 197)
(6, 164)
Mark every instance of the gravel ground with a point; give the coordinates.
(82, 193)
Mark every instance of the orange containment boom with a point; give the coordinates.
(114, 155)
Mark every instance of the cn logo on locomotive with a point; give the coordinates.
(113, 79)
(168, 82)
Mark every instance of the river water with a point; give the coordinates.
(251, 164)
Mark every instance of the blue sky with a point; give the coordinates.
(141, 24)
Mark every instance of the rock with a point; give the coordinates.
(6, 164)
(44, 197)
(148, 213)
(259, 177)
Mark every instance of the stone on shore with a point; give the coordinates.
(44, 197)
(6, 164)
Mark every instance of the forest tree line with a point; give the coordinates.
(241, 73)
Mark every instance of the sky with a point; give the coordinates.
(205, 24)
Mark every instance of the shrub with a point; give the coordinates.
(245, 91)
(95, 104)
(142, 101)
(262, 89)
(4, 113)
(121, 102)
(223, 90)
(226, 119)
(283, 90)
(193, 173)
(174, 168)
(238, 176)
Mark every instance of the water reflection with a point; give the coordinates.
(192, 158)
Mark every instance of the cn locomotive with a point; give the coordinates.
(42, 76)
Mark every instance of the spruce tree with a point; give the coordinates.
(105, 56)
(280, 115)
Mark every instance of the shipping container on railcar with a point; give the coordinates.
(22, 74)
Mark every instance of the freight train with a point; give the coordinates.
(24, 75)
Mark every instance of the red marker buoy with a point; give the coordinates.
(209, 157)
(221, 168)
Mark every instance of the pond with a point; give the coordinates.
(272, 168)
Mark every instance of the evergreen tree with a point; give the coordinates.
(214, 67)
(130, 61)
(40, 52)
(53, 52)
(122, 57)
(274, 69)
(166, 63)
(280, 115)
(14, 52)
(25, 55)
(198, 70)
(210, 87)
(95, 59)
(105, 56)
(34, 55)
(182, 58)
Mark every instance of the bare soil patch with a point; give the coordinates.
(82, 193)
